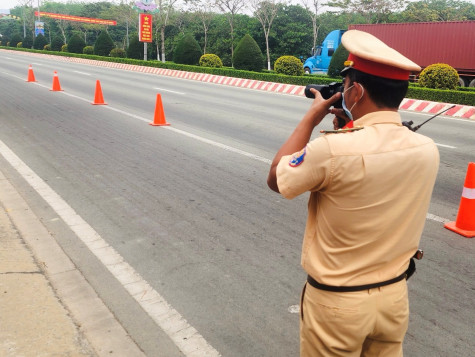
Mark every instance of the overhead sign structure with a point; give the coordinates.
(146, 6)
(145, 28)
(89, 20)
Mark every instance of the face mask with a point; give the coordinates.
(343, 104)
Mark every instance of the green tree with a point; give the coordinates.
(76, 44)
(104, 44)
(15, 39)
(57, 43)
(230, 8)
(40, 42)
(291, 27)
(265, 11)
(438, 10)
(372, 11)
(187, 51)
(135, 49)
(248, 55)
(27, 42)
(337, 62)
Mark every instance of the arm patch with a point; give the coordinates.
(298, 157)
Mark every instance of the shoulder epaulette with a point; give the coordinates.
(340, 131)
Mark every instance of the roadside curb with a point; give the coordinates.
(422, 106)
(93, 320)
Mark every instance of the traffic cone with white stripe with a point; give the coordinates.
(465, 223)
(56, 86)
(31, 75)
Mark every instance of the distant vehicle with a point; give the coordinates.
(321, 56)
(425, 43)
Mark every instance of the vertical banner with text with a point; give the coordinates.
(39, 28)
(145, 27)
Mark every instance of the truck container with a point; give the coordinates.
(426, 43)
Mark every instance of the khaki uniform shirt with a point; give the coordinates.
(370, 192)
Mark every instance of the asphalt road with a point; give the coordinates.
(188, 208)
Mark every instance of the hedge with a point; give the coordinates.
(463, 96)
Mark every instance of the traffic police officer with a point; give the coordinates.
(370, 189)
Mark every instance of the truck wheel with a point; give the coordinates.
(462, 82)
(472, 83)
(307, 70)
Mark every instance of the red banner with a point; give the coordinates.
(76, 18)
(145, 28)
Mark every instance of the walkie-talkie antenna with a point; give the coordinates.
(408, 124)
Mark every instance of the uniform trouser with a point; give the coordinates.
(363, 323)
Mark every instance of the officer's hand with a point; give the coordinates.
(340, 118)
(321, 107)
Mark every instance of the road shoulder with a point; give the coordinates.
(47, 305)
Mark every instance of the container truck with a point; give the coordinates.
(321, 56)
(426, 43)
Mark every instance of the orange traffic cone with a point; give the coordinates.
(98, 98)
(159, 118)
(465, 223)
(56, 85)
(31, 75)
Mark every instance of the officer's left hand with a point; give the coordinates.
(339, 114)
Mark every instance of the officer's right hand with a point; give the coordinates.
(321, 107)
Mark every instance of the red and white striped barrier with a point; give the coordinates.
(459, 111)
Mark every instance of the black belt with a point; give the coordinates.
(345, 289)
(406, 275)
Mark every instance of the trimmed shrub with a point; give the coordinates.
(16, 38)
(76, 44)
(19, 45)
(118, 52)
(439, 76)
(27, 42)
(288, 65)
(88, 50)
(187, 51)
(57, 43)
(47, 47)
(210, 60)
(248, 55)
(64, 48)
(337, 62)
(135, 49)
(104, 44)
(40, 42)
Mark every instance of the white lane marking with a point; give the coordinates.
(86, 74)
(168, 90)
(196, 137)
(186, 338)
(446, 146)
(433, 217)
(294, 309)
